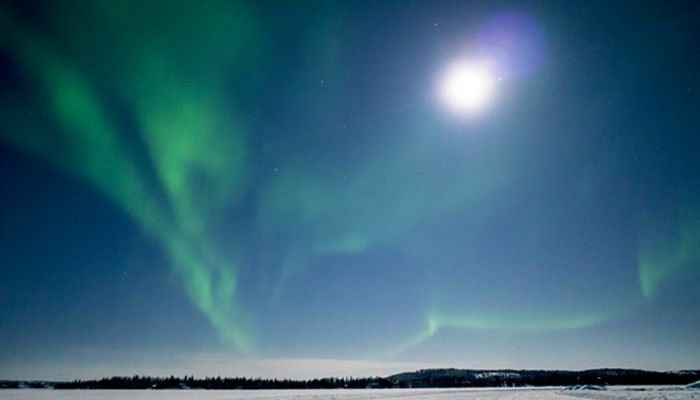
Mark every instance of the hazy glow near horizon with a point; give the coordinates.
(467, 87)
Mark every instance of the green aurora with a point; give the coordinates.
(189, 159)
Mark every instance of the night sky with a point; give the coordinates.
(295, 190)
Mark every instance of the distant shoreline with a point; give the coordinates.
(421, 379)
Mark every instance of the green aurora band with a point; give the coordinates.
(193, 143)
(663, 256)
(522, 323)
(192, 163)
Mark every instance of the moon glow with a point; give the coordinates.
(467, 88)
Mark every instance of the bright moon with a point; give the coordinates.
(467, 88)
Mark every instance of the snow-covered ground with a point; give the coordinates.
(611, 393)
(637, 393)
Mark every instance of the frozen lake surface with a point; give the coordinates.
(612, 393)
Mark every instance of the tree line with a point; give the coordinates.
(428, 378)
(190, 382)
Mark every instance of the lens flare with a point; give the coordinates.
(515, 41)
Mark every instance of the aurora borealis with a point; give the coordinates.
(263, 181)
